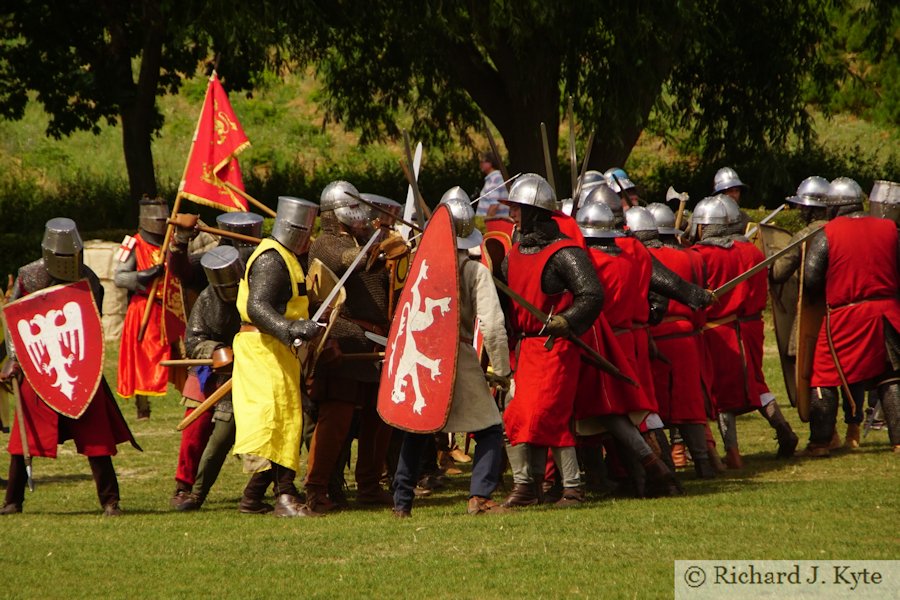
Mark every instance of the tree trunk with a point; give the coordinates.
(136, 139)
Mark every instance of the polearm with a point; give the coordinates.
(727, 287)
(584, 165)
(210, 401)
(548, 163)
(494, 149)
(250, 199)
(596, 358)
(573, 159)
(186, 362)
(765, 220)
(407, 166)
(225, 233)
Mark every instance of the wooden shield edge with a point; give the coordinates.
(780, 311)
(809, 321)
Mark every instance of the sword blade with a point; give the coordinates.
(765, 220)
(340, 284)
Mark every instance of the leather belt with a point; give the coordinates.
(720, 322)
(248, 328)
(748, 318)
(863, 301)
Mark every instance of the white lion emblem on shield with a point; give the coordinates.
(414, 319)
(53, 349)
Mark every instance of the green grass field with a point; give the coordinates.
(844, 507)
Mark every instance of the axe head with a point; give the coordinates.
(671, 194)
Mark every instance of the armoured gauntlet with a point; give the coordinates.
(303, 329)
(147, 276)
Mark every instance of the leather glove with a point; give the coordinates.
(557, 326)
(185, 228)
(222, 358)
(393, 247)
(303, 329)
(145, 277)
(502, 382)
(11, 369)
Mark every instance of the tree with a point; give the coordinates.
(93, 61)
(729, 71)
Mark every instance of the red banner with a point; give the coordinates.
(217, 142)
(59, 344)
(419, 371)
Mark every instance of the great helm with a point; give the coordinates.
(596, 220)
(844, 191)
(812, 191)
(640, 219)
(617, 179)
(391, 206)
(532, 190)
(62, 249)
(224, 269)
(294, 221)
(458, 203)
(884, 201)
(726, 178)
(348, 210)
(245, 223)
(664, 218)
(152, 216)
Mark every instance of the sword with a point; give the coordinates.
(573, 160)
(20, 412)
(548, 163)
(340, 284)
(596, 358)
(494, 149)
(727, 287)
(576, 195)
(765, 220)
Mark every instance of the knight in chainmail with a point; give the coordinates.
(858, 346)
(552, 272)
(733, 332)
(101, 427)
(188, 267)
(342, 389)
(274, 311)
(606, 404)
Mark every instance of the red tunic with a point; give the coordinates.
(679, 386)
(601, 394)
(733, 387)
(751, 320)
(861, 292)
(546, 380)
(139, 368)
(641, 269)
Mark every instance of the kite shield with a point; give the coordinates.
(59, 344)
(810, 316)
(419, 371)
(784, 307)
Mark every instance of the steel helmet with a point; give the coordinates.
(726, 178)
(812, 191)
(392, 206)
(618, 180)
(294, 221)
(604, 194)
(844, 191)
(62, 250)
(348, 210)
(457, 202)
(245, 223)
(664, 217)
(224, 269)
(639, 218)
(596, 220)
(532, 190)
(884, 201)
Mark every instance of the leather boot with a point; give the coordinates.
(704, 468)
(679, 459)
(317, 500)
(733, 458)
(193, 502)
(661, 480)
(142, 406)
(836, 441)
(445, 462)
(287, 505)
(715, 460)
(570, 497)
(787, 439)
(523, 494)
(851, 440)
(252, 498)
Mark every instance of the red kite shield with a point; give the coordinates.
(59, 344)
(419, 370)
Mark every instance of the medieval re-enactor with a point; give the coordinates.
(343, 387)
(678, 366)
(97, 432)
(614, 405)
(473, 409)
(273, 306)
(858, 345)
(552, 272)
(210, 334)
(195, 438)
(140, 372)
